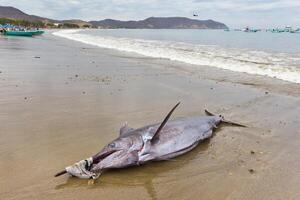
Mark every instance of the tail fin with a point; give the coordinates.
(209, 113)
(233, 123)
(225, 121)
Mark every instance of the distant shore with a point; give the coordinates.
(15, 16)
(62, 101)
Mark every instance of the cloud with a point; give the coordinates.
(232, 12)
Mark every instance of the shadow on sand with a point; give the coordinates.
(146, 176)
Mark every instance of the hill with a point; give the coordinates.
(8, 13)
(14, 13)
(160, 23)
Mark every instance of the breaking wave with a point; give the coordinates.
(284, 66)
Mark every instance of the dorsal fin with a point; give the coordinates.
(164, 122)
(125, 129)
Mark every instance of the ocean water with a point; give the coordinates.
(276, 55)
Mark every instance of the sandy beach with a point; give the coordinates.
(62, 101)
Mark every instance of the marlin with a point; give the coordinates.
(155, 142)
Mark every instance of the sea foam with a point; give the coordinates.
(283, 66)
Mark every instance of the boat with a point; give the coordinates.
(22, 33)
(248, 30)
(18, 33)
(12, 30)
(288, 29)
(295, 31)
(38, 32)
(276, 30)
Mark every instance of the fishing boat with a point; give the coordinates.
(38, 32)
(248, 30)
(295, 31)
(22, 33)
(12, 30)
(288, 29)
(18, 33)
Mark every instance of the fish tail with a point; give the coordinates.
(223, 120)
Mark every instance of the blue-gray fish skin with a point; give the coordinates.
(180, 136)
(139, 146)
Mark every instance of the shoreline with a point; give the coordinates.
(258, 61)
(68, 103)
(243, 78)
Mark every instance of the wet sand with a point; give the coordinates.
(62, 101)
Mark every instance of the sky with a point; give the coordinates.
(234, 13)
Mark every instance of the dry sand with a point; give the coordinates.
(62, 101)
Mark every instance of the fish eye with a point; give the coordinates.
(112, 145)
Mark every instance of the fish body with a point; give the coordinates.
(155, 142)
(137, 146)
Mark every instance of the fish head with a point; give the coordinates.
(120, 153)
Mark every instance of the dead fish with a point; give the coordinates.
(161, 141)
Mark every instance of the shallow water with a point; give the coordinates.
(262, 53)
(260, 41)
